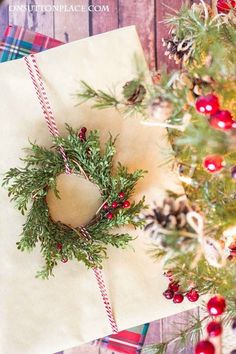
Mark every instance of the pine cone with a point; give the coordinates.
(196, 85)
(170, 216)
(134, 92)
(178, 49)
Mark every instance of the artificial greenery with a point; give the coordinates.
(28, 187)
(208, 67)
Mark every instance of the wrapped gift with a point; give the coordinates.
(65, 311)
(18, 42)
(124, 341)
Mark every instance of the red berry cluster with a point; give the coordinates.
(216, 307)
(174, 293)
(82, 134)
(220, 120)
(59, 248)
(120, 203)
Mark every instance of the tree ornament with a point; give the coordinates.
(208, 104)
(178, 298)
(213, 163)
(30, 186)
(192, 295)
(204, 347)
(224, 6)
(134, 92)
(126, 204)
(214, 329)
(216, 305)
(222, 120)
(169, 294)
(233, 172)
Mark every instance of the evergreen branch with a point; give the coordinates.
(190, 334)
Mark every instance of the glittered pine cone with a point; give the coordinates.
(134, 92)
(178, 49)
(171, 215)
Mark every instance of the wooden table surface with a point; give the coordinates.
(148, 17)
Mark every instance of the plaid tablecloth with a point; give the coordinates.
(127, 342)
(18, 42)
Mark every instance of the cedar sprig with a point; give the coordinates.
(27, 186)
(180, 338)
(102, 100)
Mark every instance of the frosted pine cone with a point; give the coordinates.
(170, 216)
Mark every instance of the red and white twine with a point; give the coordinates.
(106, 301)
(40, 90)
(44, 102)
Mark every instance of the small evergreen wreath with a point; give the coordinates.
(28, 188)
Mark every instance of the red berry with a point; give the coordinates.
(214, 329)
(222, 120)
(59, 246)
(81, 136)
(213, 163)
(204, 347)
(105, 206)
(126, 204)
(169, 294)
(174, 286)
(121, 195)
(225, 5)
(208, 104)
(216, 305)
(64, 260)
(114, 205)
(83, 130)
(178, 298)
(109, 216)
(192, 295)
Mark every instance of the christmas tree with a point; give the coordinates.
(196, 233)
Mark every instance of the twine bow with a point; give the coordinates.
(209, 247)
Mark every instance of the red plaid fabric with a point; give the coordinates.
(18, 42)
(126, 342)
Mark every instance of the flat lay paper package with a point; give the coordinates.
(46, 316)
